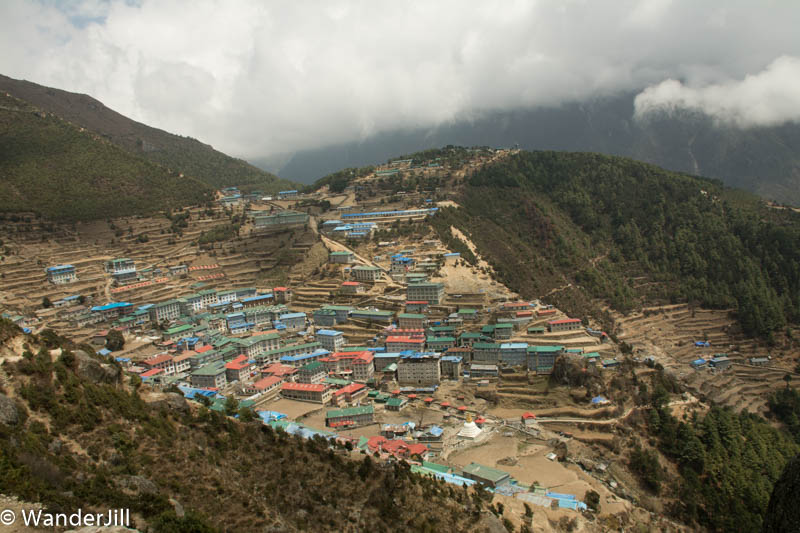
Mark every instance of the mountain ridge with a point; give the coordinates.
(182, 154)
(761, 160)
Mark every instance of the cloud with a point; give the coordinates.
(256, 78)
(768, 98)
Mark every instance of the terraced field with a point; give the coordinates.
(669, 333)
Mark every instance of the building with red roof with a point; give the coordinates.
(150, 373)
(286, 372)
(349, 394)
(352, 287)
(546, 312)
(565, 324)
(307, 392)
(268, 387)
(397, 448)
(396, 343)
(162, 361)
(358, 364)
(282, 294)
(238, 369)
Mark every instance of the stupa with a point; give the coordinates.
(470, 429)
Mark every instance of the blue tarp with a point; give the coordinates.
(436, 431)
(191, 392)
(266, 416)
(599, 399)
(702, 344)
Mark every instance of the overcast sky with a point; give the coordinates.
(256, 78)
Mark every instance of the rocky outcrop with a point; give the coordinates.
(169, 400)
(8, 411)
(90, 368)
(136, 485)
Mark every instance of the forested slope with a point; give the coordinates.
(630, 232)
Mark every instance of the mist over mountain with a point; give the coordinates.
(761, 159)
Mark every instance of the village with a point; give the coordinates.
(385, 341)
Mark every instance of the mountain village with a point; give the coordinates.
(383, 340)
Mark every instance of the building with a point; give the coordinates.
(720, 362)
(397, 403)
(267, 387)
(257, 345)
(297, 354)
(341, 258)
(285, 372)
(341, 312)
(283, 295)
(258, 300)
(363, 367)
(486, 475)
(565, 324)
(211, 376)
(353, 416)
(433, 293)
(419, 306)
(178, 270)
(541, 359)
(177, 332)
(411, 321)
(352, 287)
(481, 371)
(395, 343)
(237, 370)
(281, 219)
(329, 339)
(324, 317)
(390, 215)
(198, 301)
(440, 344)
(419, 369)
(369, 274)
(375, 315)
(282, 195)
(451, 366)
(165, 311)
(182, 362)
(503, 330)
(350, 394)
(307, 392)
(163, 361)
(61, 274)
(313, 372)
(123, 270)
(486, 352)
(293, 321)
(514, 353)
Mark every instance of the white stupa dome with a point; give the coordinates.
(470, 429)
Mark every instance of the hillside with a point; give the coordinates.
(181, 154)
(74, 433)
(56, 169)
(760, 160)
(577, 227)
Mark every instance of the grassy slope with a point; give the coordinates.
(181, 154)
(51, 167)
